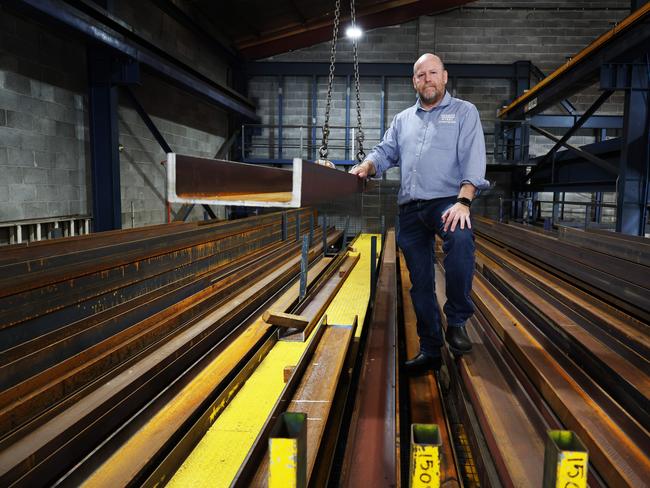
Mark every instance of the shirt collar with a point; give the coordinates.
(446, 100)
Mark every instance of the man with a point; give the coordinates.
(440, 148)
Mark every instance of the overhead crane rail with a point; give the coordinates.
(582, 70)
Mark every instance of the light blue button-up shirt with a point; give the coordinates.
(437, 150)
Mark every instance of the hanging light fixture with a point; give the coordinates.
(354, 32)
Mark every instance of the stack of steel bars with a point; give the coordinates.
(561, 341)
(95, 330)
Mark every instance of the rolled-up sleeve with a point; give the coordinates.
(471, 150)
(386, 154)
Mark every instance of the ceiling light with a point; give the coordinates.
(353, 32)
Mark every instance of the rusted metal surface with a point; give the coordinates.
(616, 280)
(623, 333)
(426, 404)
(627, 382)
(370, 457)
(202, 178)
(44, 389)
(92, 390)
(34, 272)
(636, 251)
(211, 181)
(313, 308)
(617, 453)
(226, 362)
(315, 393)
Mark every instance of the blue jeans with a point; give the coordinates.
(419, 222)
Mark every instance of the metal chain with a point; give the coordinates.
(361, 155)
(326, 126)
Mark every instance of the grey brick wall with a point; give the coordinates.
(42, 123)
(44, 148)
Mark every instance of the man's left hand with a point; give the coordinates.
(457, 214)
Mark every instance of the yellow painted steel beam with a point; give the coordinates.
(353, 297)
(217, 458)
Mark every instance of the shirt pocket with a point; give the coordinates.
(445, 137)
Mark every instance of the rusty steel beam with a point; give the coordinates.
(43, 452)
(214, 182)
(426, 402)
(371, 457)
(617, 445)
(612, 279)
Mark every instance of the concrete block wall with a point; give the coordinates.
(546, 33)
(42, 123)
(44, 140)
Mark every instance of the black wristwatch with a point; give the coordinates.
(464, 201)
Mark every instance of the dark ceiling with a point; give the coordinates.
(262, 28)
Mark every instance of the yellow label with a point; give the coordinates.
(283, 465)
(425, 466)
(572, 470)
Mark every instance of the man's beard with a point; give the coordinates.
(430, 100)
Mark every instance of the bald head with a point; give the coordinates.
(429, 80)
(425, 59)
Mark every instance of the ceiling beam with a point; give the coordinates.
(315, 31)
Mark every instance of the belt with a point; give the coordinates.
(414, 204)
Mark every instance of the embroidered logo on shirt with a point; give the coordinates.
(447, 118)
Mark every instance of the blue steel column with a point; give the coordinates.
(522, 83)
(632, 186)
(104, 140)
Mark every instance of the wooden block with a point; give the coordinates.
(287, 320)
(288, 371)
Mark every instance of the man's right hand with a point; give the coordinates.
(364, 170)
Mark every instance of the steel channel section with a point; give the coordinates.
(323, 293)
(254, 458)
(426, 403)
(37, 272)
(191, 438)
(618, 461)
(326, 287)
(156, 432)
(201, 180)
(371, 458)
(140, 387)
(35, 355)
(42, 314)
(621, 332)
(48, 312)
(625, 382)
(206, 178)
(610, 243)
(610, 278)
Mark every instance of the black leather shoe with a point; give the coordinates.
(423, 362)
(458, 339)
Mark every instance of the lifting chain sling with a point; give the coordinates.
(323, 151)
